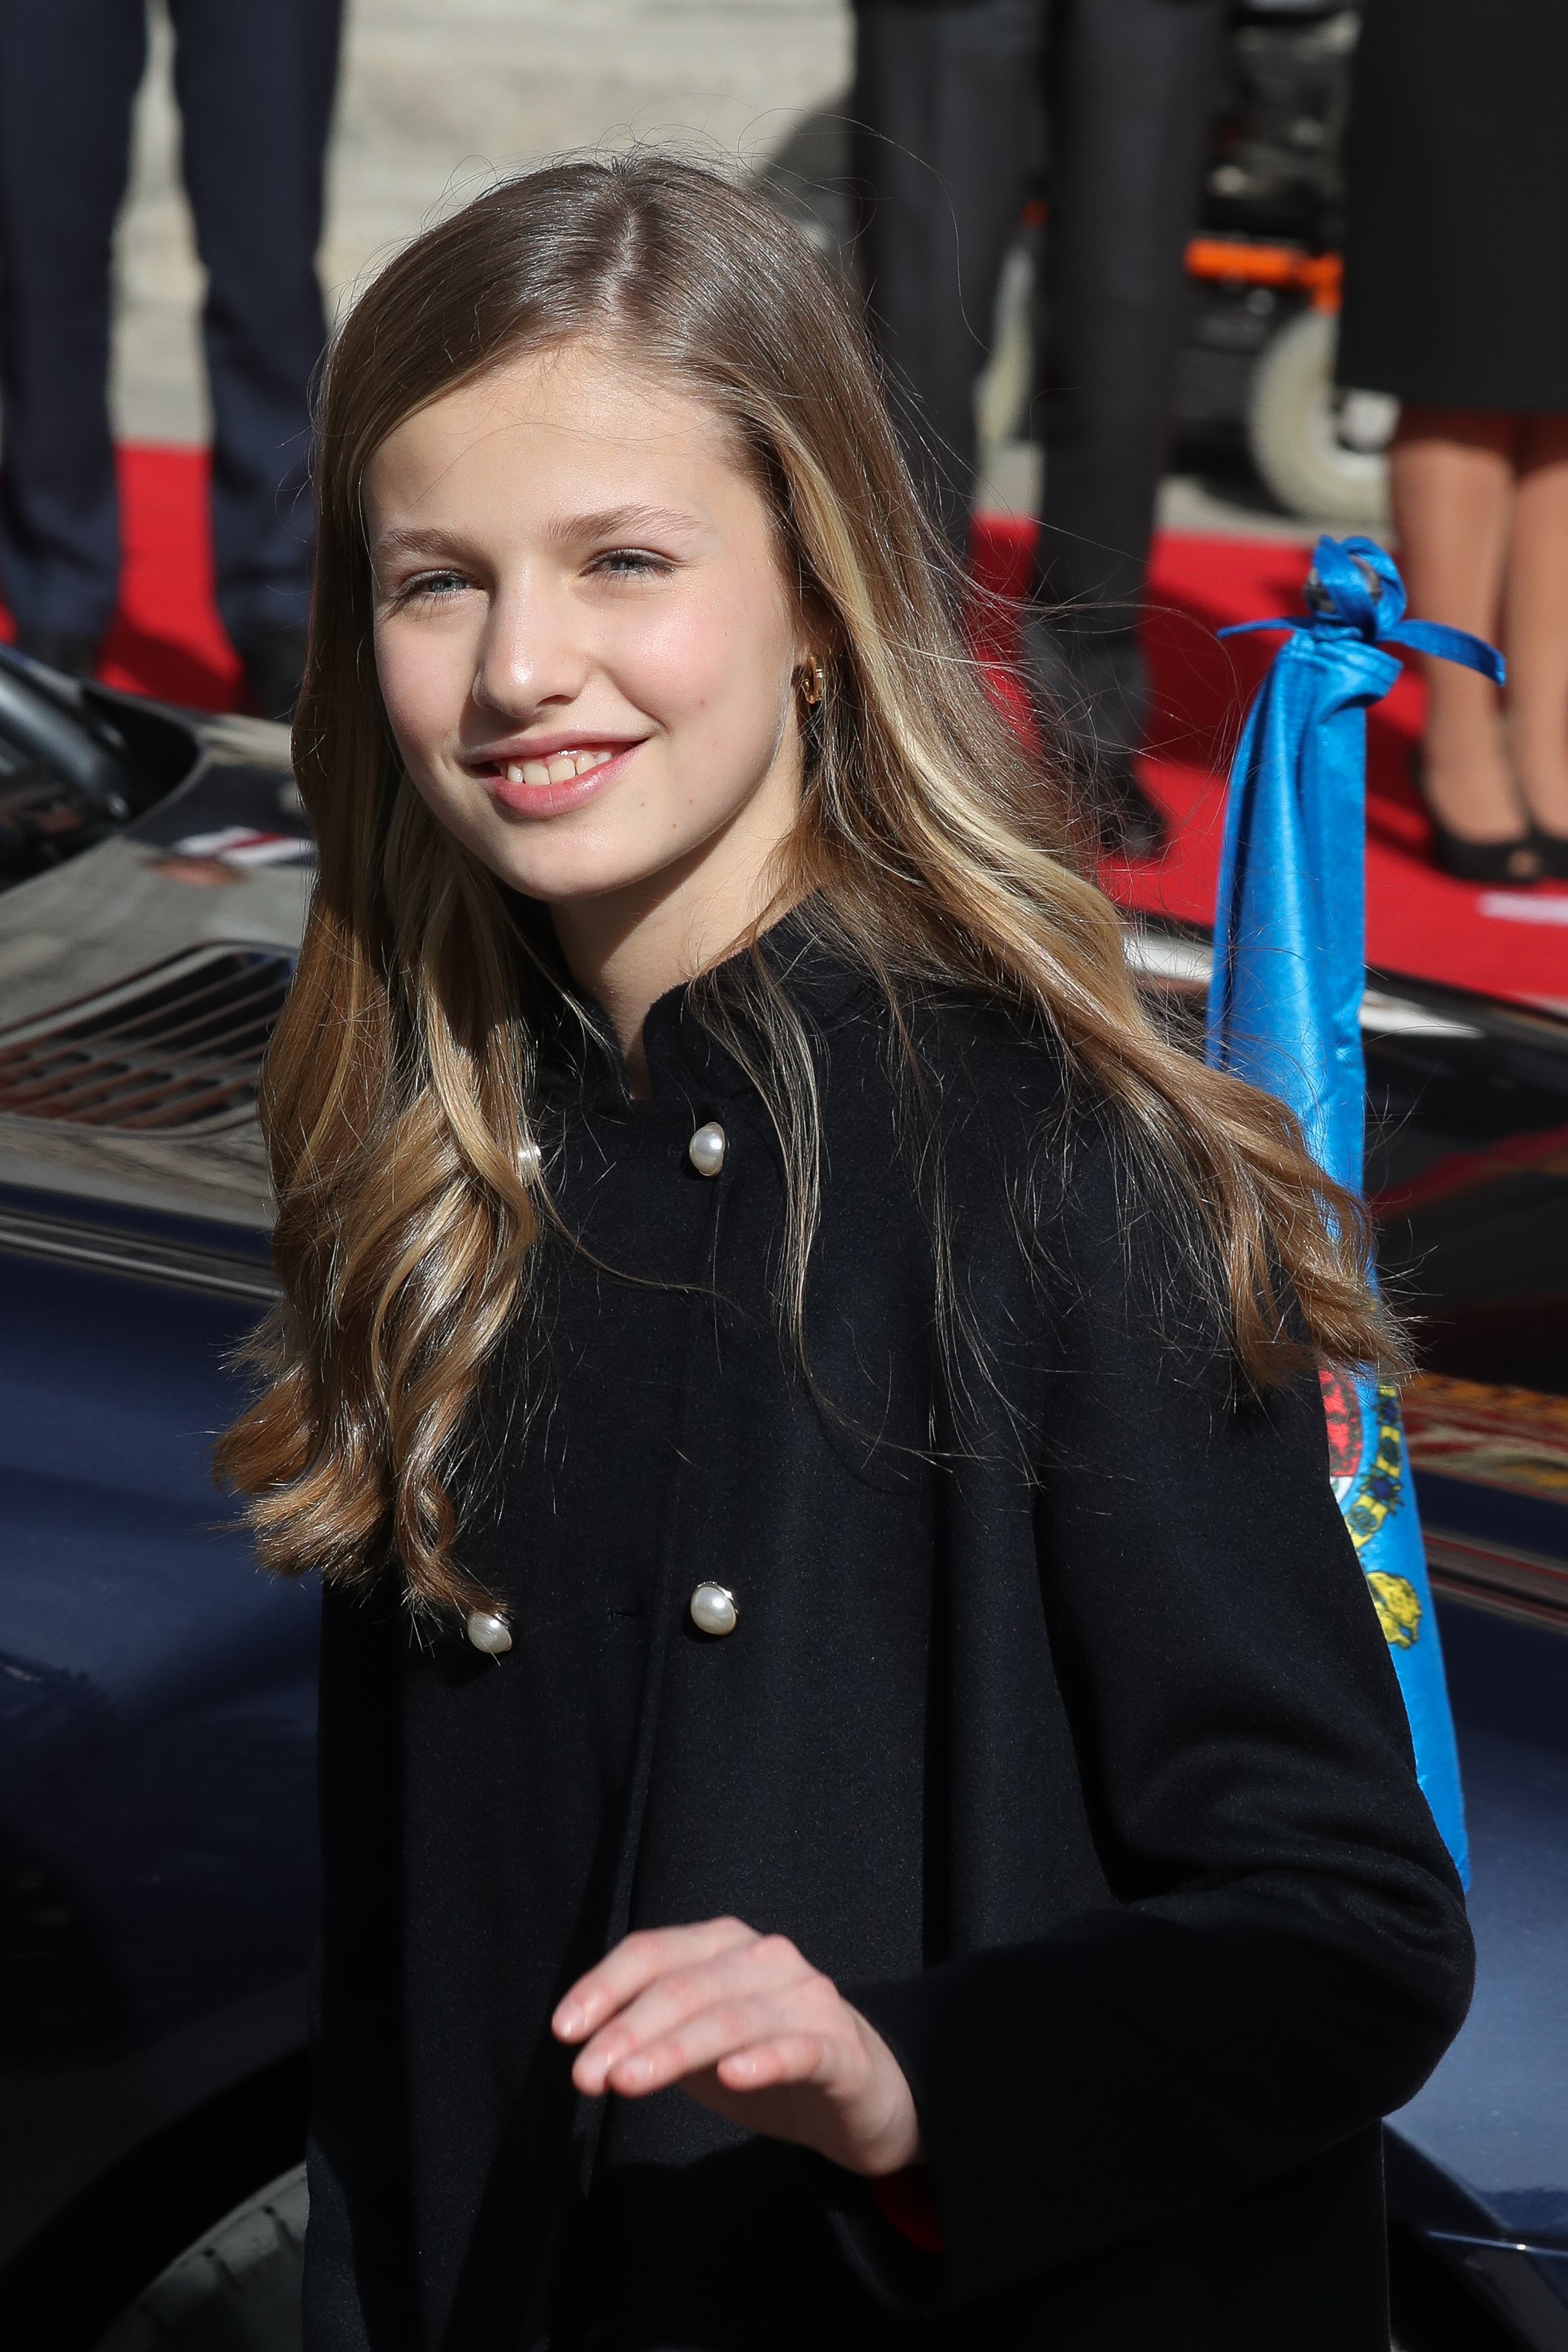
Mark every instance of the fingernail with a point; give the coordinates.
(568, 2020)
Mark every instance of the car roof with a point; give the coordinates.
(147, 942)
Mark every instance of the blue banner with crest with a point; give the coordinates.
(1285, 1012)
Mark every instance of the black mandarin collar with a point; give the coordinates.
(681, 1053)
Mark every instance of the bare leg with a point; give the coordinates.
(1535, 621)
(1452, 483)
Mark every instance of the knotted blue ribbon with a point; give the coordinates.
(1289, 968)
(1354, 584)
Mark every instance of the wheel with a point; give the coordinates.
(1320, 450)
(235, 2290)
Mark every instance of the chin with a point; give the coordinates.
(557, 872)
(538, 861)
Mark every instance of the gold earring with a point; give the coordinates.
(812, 683)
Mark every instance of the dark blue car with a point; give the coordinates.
(156, 1699)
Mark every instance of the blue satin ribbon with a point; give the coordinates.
(1289, 968)
(1341, 595)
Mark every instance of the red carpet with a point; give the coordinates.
(167, 638)
(1508, 943)
(168, 641)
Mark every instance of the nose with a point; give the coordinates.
(530, 656)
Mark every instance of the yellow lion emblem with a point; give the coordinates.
(1398, 1609)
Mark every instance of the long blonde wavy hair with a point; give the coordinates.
(934, 847)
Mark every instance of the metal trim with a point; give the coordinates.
(1523, 1584)
(1507, 2277)
(222, 1274)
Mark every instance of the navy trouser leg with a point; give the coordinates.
(942, 104)
(68, 73)
(254, 80)
(1131, 88)
(944, 96)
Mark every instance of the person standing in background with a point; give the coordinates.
(1455, 300)
(255, 85)
(946, 104)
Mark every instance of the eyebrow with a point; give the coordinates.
(609, 522)
(417, 541)
(615, 522)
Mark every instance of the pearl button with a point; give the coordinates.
(713, 1609)
(706, 1153)
(489, 1633)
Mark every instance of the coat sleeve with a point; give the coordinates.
(359, 2290)
(1288, 1956)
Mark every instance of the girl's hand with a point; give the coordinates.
(749, 2029)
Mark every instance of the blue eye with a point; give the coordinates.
(434, 587)
(630, 563)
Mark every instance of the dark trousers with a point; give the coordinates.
(946, 100)
(255, 82)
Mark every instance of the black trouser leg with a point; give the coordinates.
(254, 80)
(69, 72)
(943, 105)
(1131, 87)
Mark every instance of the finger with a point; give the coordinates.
(697, 2046)
(694, 2047)
(638, 1961)
(727, 1988)
(766, 1966)
(787, 2058)
(657, 1955)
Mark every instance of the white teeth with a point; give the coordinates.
(559, 769)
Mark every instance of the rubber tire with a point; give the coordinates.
(235, 2290)
(1290, 430)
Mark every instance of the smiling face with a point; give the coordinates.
(585, 644)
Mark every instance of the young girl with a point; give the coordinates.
(864, 1802)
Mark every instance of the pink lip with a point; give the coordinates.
(552, 800)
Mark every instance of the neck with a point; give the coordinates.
(627, 948)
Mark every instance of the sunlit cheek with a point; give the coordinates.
(664, 662)
(711, 677)
(423, 689)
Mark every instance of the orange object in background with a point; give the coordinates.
(1247, 261)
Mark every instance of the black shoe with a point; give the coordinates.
(1091, 694)
(274, 664)
(60, 650)
(1512, 864)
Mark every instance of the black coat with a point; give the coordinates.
(1057, 1727)
(1457, 234)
